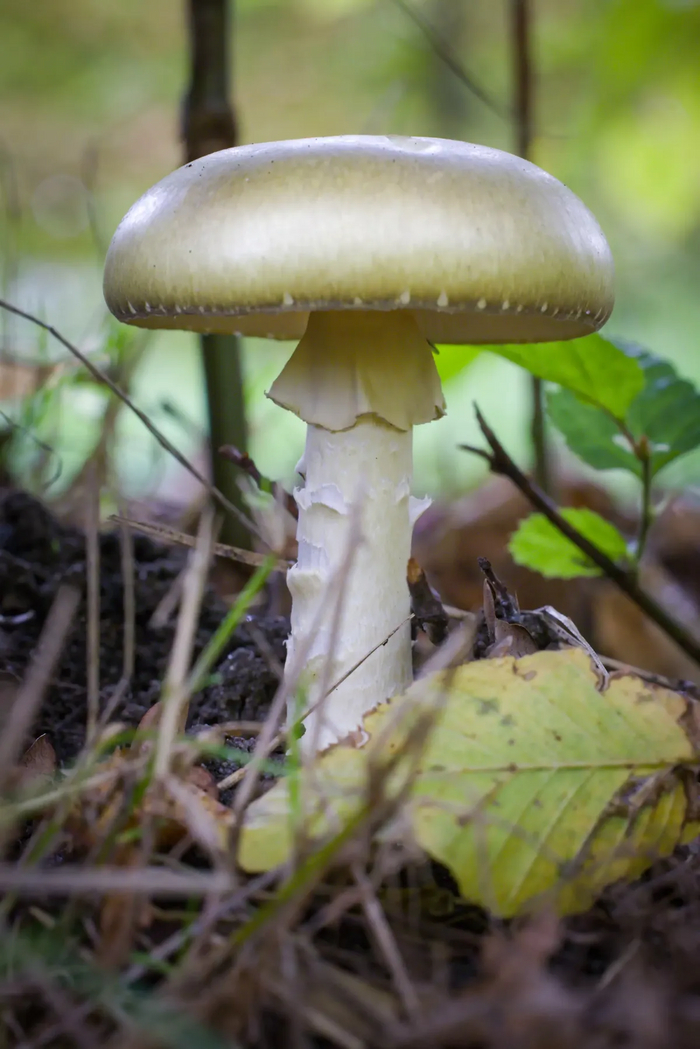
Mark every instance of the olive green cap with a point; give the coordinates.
(481, 245)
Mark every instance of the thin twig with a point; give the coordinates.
(30, 695)
(171, 535)
(162, 440)
(444, 52)
(501, 463)
(92, 559)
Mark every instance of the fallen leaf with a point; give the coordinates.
(38, 763)
(531, 782)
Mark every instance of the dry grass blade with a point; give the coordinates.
(92, 552)
(351, 1000)
(228, 906)
(174, 712)
(386, 942)
(168, 604)
(72, 1019)
(128, 570)
(317, 1019)
(99, 881)
(31, 694)
(171, 535)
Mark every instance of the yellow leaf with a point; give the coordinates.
(531, 781)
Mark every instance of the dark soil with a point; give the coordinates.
(38, 554)
(624, 974)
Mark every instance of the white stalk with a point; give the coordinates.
(361, 381)
(371, 463)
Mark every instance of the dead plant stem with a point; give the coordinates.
(30, 695)
(92, 559)
(175, 692)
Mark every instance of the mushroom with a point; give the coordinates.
(367, 250)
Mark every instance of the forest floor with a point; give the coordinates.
(330, 971)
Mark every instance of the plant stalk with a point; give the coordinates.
(521, 24)
(647, 510)
(208, 125)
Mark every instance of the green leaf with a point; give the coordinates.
(451, 361)
(591, 433)
(539, 545)
(519, 775)
(594, 368)
(666, 413)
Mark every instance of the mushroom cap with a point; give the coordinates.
(482, 246)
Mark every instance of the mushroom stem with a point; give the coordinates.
(370, 463)
(348, 374)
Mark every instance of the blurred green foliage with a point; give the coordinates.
(89, 108)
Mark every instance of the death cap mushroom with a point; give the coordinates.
(367, 250)
(481, 245)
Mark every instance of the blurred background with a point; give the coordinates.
(90, 95)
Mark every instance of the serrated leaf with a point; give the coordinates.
(666, 412)
(539, 545)
(530, 782)
(594, 368)
(590, 433)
